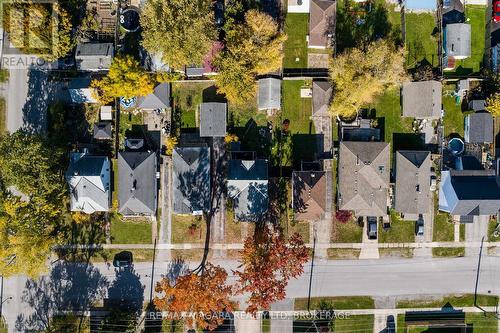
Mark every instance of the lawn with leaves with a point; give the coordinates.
(130, 231)
(187, 96)
(188, 229)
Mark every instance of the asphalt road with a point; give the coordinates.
(73, 286)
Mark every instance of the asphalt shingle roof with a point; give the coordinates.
(137, 183)
(321, 94)
(158, 99)
(458, 40)
(213, 119)
(422, 99)
(94, 56)
(320, 13)
(309, 195)
(479, 127)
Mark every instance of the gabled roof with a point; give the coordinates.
(422, 99)
(191, 180)
(89, 182)
(158, 99)
(247, 186)
(364, 169)
(94, 56)
(309, 195)
(213, 119)
(479, 127)
(464, 193)
(458, 40)
(322, 94)
(413, 174)
(102, 130)
(453, 12)
(319, 21)
(137, 188)
(269, 94)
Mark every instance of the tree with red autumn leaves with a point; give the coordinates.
(197, 294)
(268, 262)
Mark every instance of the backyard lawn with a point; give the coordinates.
(295, 48)
(399, 232)
(420, 42)
(187, 97)
(130, 231)
(453, 116)
(130, 124)
(476, 16)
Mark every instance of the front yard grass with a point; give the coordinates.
(349, 232)
(460, 300)
(232, 228)
(335, 254)
(399, 232)
(337, 303)
(491, 229)
(481, 323)
(188, 229)
(396, 252)
(420, 42)
(476, 17)
(295, 47)
(138, 255)
(357, 323)
(187, 96)
(443, 229)
(130, 231)
(448, 251)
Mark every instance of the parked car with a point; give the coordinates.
(433, 183)
(372, 227)
(496, 11)
(219, 13)
(123, 260)
(419, 226)
(391, 324)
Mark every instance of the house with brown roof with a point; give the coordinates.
(320, 14)
(364, 169)
(309, 195)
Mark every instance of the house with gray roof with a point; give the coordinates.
(159, 99)
(94, 57)
(469, 192)
(213, 119)
(88, 178)
(413, 178)
(137, 183)
(321, 96)
(422, 100)
(478, 127)
(364, 169)
(269, 94)
(102, 130)
(247, 187)
(321, 13)
(457, 38)
(191, 181)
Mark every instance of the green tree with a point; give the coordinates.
(181, 31)
(359, 76)
(126, 78)
(253, 47)
(40, 29)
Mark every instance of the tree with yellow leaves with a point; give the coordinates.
(253, 47)
(359, 76)
(126, 78)
(170, 144)
(38, 28)
(493, 104)
(181, 31)
(201, 296)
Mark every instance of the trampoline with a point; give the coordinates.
(129, 19)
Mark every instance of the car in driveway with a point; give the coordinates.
(419, 226)
(496, 11)
(371, 227)
(391, 324)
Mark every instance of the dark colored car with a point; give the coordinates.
(219, 13)
(371, 227)
(419, 226)
(496, 11)
(391, 325)
(123, 260)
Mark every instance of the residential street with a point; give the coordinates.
(76, 286)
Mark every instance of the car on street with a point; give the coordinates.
(371, 227)
(419, 226)
(496, 11)
(391, 324)
(123, 260)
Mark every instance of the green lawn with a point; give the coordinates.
(130, 231)
(130, 125)
(482, 323)
(297, 110)
(491, 229)
(420, 43)
(476, 16)
(295, 47)
(463, 300)
(337, 303)
(453, 116)
(356, 323)
(266, 325)
(399, 232)
(448, 251)
(138, 255)
(443, 230)
(187, 96)
(335, 254)
(349, 232)
(388, 113)
(188, 229)
(3, 325)
(399, 252)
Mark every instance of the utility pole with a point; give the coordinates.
(311, 275)
(152, 274)
(477, 273)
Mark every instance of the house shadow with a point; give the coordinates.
(68, 287)
(408, 141)
(210, 95)
(304, 148)
(252, 136)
